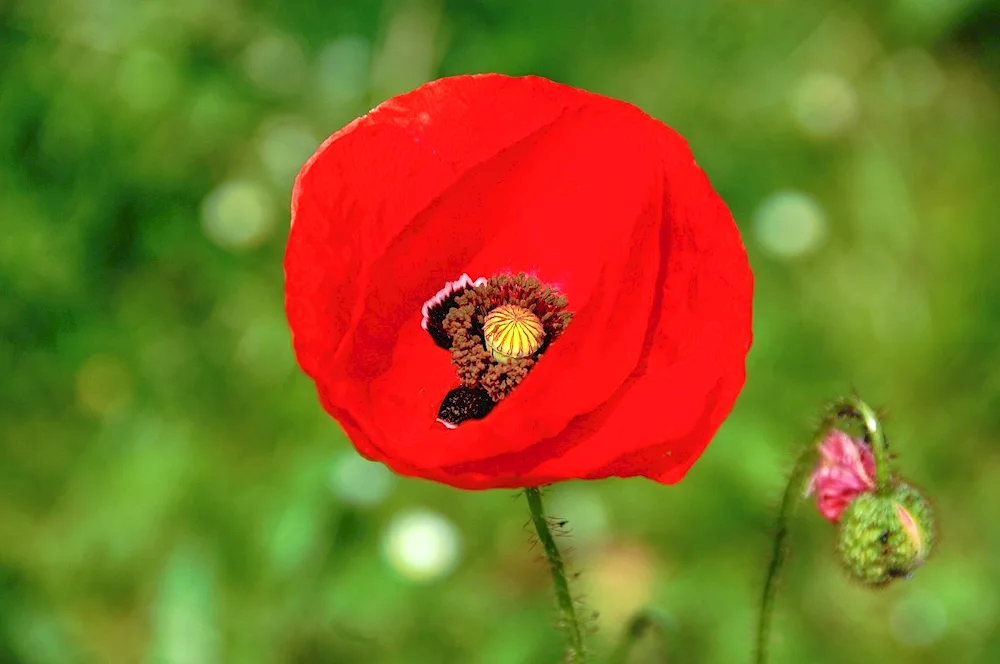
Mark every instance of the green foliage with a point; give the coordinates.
(170, 490)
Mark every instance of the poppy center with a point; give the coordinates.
(512, 332)
(496, 330)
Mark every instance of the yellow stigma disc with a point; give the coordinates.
(512, 332)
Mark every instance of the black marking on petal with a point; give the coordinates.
(436, 308)
(464, 403)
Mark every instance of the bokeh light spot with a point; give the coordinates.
(237, 215)
(913, 78)
(276, 64)
(790, 224)
(408, 52)
(185, 612)
(358, 481)
(146, 80)
(621, 577)
(264, 350)
(421, 545)
(583, 508)
(342, 68)
(824, 104)
(214, 111)
(284, 144)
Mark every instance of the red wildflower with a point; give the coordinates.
(846, 469)
(563, 247)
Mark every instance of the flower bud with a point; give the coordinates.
(884, 537)
(845, 470)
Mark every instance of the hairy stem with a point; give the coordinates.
(793, 490)
(571, 624)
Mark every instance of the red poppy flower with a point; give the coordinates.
(506, 282)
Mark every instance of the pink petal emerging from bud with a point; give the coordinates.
(846, 469)
(912, 530)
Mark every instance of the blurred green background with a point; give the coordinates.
(170, 490)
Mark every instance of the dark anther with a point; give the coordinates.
(465, 403)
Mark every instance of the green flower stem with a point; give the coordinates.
(793, 490)
(571, 624)
(640, 623)
(853, 408)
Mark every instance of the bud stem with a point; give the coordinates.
(793, 490)
(850, 407)
(858, 409)
(574, 635)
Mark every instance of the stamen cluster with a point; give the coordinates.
(477, 367)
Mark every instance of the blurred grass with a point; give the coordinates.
(170, 491)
